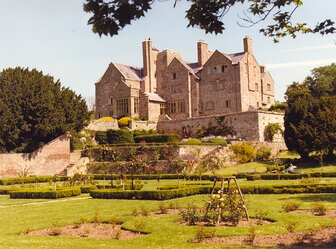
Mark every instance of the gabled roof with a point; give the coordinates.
(236, 57)
(189, 66)
(154, 97)
(129, 72)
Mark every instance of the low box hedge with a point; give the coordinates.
(158, 138)
(31, 179)
(154, 176)
(166, 194)
(149, 195)
(127, 186)
(87, 188)
(44, 193)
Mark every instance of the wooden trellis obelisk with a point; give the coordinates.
(221, 192)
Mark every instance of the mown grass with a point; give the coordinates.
(165, 230)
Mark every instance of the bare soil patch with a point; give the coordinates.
(329, 214)
(88, 230)
(325, 238)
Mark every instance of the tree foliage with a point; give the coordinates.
(35, 109)
(310, 119)
(111, 16)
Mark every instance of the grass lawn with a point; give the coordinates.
(18, 216)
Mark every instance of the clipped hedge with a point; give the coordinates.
(44, 193)
(188, 191)
(87, 188)
(31, 179)
(127, 186)
(114, 137)
(290, 189)
(158, 138)
(285, 176)
(149, 195)
(192, 177)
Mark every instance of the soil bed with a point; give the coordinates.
(321, 239)
(88, 230)
(329, 213)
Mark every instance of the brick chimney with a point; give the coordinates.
(148, 66)
(202, 52)
(247, 44)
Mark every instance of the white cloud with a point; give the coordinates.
(301, 63)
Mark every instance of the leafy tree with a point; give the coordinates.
(109, 17)
(35, 109)
(310, 118)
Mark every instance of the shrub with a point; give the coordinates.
(124, 121)
(243, 152)
(203, 233)
(101, 137)
(191, 215)
(263, 153)
(319, 209)
(106, 119)
(291, 225)
(158, 138)
(119, 136)
(192, 141)
(290, 206)
(163, 209)
(220, 141)
(44, 194)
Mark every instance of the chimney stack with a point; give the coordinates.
(202, 52)
(247, 44)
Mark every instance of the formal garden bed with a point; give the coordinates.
(88, 230)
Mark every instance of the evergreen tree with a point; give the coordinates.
(35, 109)
(310, 118)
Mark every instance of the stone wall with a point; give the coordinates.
(139, 125)
(51, 159)
(103, 125)
(249, 126)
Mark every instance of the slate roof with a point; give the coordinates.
(154, 97)
(129, 72)
(236, 57)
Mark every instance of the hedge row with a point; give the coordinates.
(44, 194)
(31, 179)
(287, 176)
(114, 137)
(290, 189)
(125, 136)
(127, 186)
(87, 188)
(149, 195)
(158, 138)
(182, 192)
(154, 177)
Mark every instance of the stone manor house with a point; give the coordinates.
(172, 93)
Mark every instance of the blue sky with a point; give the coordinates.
(52, 36)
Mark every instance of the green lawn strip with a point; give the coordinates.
(165, 231)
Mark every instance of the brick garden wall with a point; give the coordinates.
(51, 159)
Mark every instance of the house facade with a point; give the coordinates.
(168, 87)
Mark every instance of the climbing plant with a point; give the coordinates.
(271, 130)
